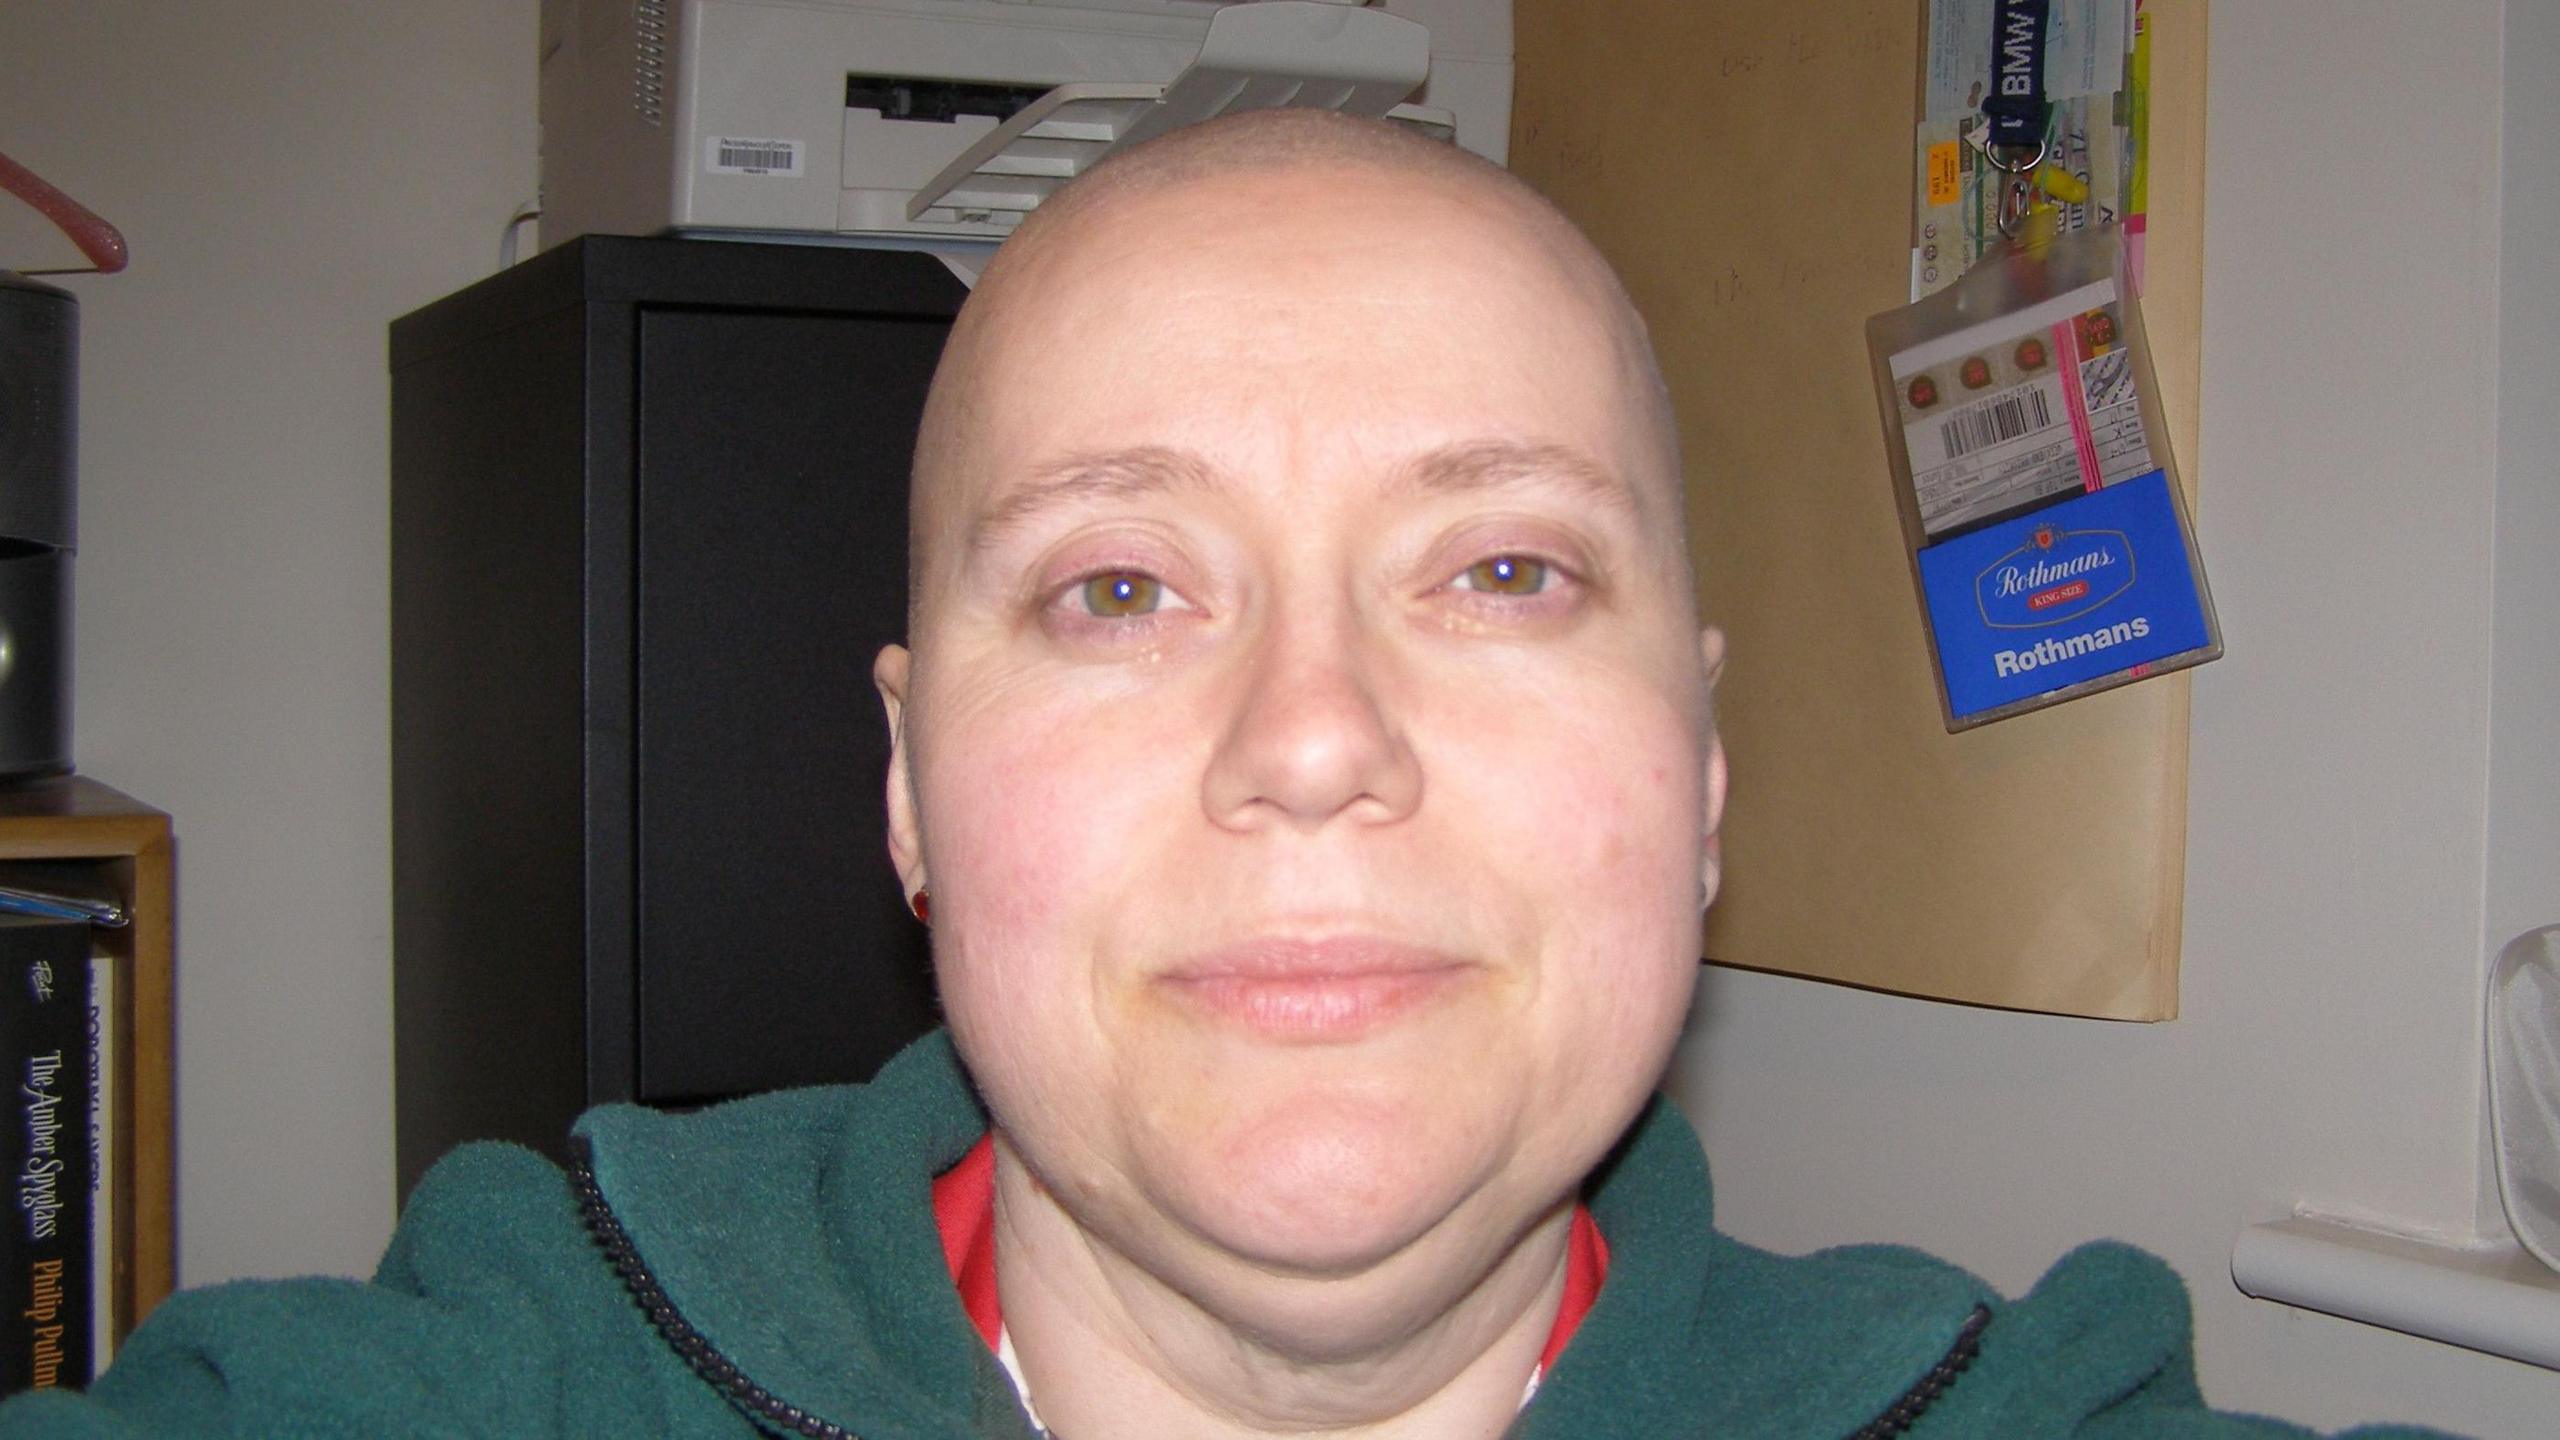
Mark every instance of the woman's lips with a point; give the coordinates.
(1314, 991)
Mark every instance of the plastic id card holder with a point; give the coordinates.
(2048, 532)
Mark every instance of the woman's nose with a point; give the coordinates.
(1310, 737)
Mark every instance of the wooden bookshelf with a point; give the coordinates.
(75, 818)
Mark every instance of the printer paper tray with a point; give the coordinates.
(1255, 57)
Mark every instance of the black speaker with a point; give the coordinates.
(648, 531)
(39, 428)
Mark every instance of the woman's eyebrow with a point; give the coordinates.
(1466, 467)
(1102, 475)
(1475, 465)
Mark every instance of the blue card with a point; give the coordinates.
(2098, 588)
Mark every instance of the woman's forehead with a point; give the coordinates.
(1262, 248)
(1295, 311)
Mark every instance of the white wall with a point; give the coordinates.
(291, 174)
(2524, 757)
(2358, 498)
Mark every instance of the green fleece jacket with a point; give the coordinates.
(773, 1266)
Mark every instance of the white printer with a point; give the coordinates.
(940, 123)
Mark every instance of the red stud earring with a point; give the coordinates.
(922, 903)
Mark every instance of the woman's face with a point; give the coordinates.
(1306, 738)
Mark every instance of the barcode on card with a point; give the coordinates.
(1993, 421)
(731, 155)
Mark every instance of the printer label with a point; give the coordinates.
(744, 155)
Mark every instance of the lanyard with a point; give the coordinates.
(2015, 103)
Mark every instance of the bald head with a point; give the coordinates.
(1184, 191)
(1283, 139)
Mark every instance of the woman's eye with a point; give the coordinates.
(1121, 594)
(1506, 575)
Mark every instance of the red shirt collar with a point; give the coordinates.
(964, 1210)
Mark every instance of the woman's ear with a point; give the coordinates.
(906, 847)
(1711, 849)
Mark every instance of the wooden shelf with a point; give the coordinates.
(75, 818)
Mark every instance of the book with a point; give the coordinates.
(47, 1282)
(62, 890)
(104, 1218)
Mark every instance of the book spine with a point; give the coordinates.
(45, 1280)
(103, 1217)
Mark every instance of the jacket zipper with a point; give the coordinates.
(1902, 1414)
(759, 1404)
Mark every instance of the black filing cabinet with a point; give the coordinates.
(648, 530)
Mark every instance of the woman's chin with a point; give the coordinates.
(1328, 1184)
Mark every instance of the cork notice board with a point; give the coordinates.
(1746, 164)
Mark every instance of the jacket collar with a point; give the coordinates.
(795, 1233)
(1697, 1334)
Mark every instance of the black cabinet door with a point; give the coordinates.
(648, 531)
(774, 944)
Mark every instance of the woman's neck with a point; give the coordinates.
(1422, 1344)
